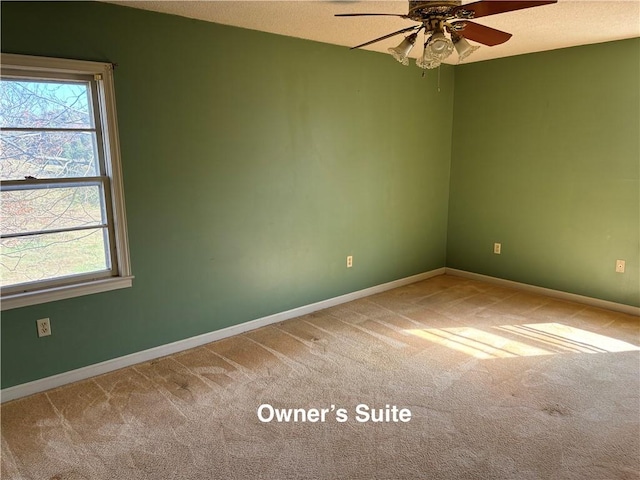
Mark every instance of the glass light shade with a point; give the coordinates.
(464, 48)
(401, 52)
(439, 46)
(427, 60)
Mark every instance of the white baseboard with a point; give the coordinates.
(571, 297)
(89, 371)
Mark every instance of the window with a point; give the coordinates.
(63, 226)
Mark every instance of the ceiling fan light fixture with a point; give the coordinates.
(463, 47)
(439, 46)
(451, 17)
(427, 60)
(401, 52)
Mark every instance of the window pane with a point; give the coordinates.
(45, 104)
(49, 256)
(48, 155)
(50, 209)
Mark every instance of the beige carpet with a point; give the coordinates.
(500, 384)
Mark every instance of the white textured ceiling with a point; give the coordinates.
(565, 24)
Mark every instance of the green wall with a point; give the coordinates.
(545, 160)
(253, 165)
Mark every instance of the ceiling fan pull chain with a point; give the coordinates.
(438, 78)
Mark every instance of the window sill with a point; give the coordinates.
(18, 300)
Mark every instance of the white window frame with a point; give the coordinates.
(121, 277)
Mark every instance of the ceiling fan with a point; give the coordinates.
(448, 16)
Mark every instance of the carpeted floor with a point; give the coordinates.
(500, 384)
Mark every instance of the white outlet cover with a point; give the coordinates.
(44, 327)
(620, 264)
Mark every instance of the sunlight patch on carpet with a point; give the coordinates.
(522, 340)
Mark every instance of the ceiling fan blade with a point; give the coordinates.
(415, 27)
(493, 7)
(370, 14)
(482, 34)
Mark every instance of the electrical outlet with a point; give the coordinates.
(44, 327)
(349, 261)
(620, 266)
(497, 247)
